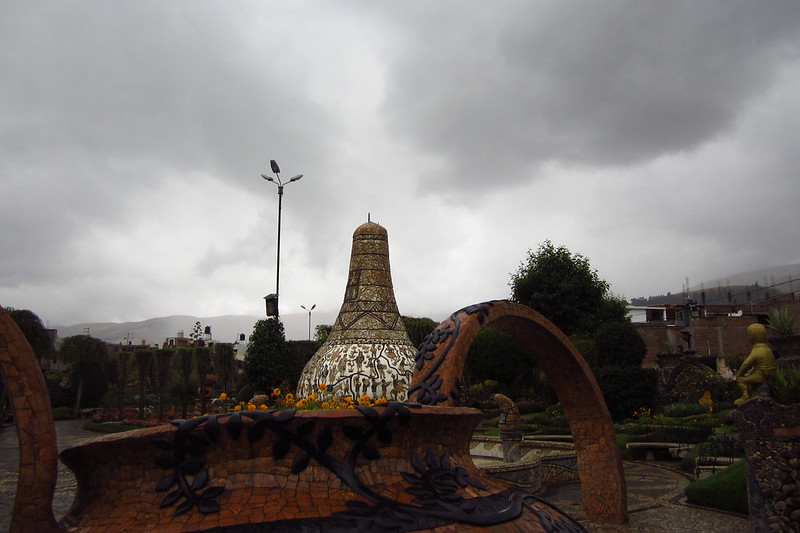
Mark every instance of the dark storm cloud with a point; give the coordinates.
(103, 101)
(586, 83)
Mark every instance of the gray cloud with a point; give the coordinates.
(133, 135)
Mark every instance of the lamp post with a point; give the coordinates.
(309, 318)
(277, 181)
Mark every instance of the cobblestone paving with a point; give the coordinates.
(656, 504)
(655, 494)
(69, 432)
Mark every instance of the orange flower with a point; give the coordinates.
(263, 407)
(277, 393)
(223, 397)
(237, 408)
(251, 407)
(322, 386)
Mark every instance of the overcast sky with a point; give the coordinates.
(658, 139)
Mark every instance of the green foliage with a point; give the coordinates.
(496, 356)
(321, 333)
(144, 364)
(619, 344)
(297, 355)
(63, 413)
(726, 489)
(626, 389)
(780, 320)
(108, 427)
(418, 328)
(679, 410)
(265, 359)
(32, 327)
(564, 288)
(163, 364)
(586, 347)
(224, 361)
(183, 385)
(88, 357)
(785, 386)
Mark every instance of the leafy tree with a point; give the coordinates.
(163, 362)
(35, 332)
(619, 344)
(418, 328)
(224, 364)
(496, 356)
(321, 333)
(123, 370)
(88, 357)
(265, 359)
(298, 354)
(202, 357)
(144, 363)
(564, 288)
(183, 386)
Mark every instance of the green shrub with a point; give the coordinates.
(63, 413)
(627, 389)
(680, 410)
(685, 434)
(785, 386)
(529, 407)
(726, 489)
(108, 427)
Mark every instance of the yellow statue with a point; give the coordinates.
(759, 367)
(509, 413)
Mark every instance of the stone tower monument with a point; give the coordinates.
(368, 350)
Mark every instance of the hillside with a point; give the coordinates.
(225, 328)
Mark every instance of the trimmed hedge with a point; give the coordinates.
(726, 489)
(627, 389)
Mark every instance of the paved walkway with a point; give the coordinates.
(655, 494)
(656, 504)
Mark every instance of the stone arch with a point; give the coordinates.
(38, 453)
(437, 380)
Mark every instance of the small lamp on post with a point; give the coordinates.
(271, 301)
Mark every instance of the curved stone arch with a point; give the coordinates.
(437, 380)
(38, 452)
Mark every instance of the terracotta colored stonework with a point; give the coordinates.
(395, 467)
(38, 457)
(437, 381)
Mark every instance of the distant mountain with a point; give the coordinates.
(225, 328)
(755, 286)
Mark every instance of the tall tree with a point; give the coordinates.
(418, 328)
(183, 385)
(32, 327)
(564, 288)
(202, 359)
(224, 364)
(264, 361)
(144, 363)
(88, 357)
(163, 359)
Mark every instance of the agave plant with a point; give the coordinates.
(785, 386)
(780, 320)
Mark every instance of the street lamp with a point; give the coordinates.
(277, 181)
(309, 318)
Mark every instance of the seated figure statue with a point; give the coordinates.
(759, 366)
(509, 413)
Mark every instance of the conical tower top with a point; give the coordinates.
(368, 350)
